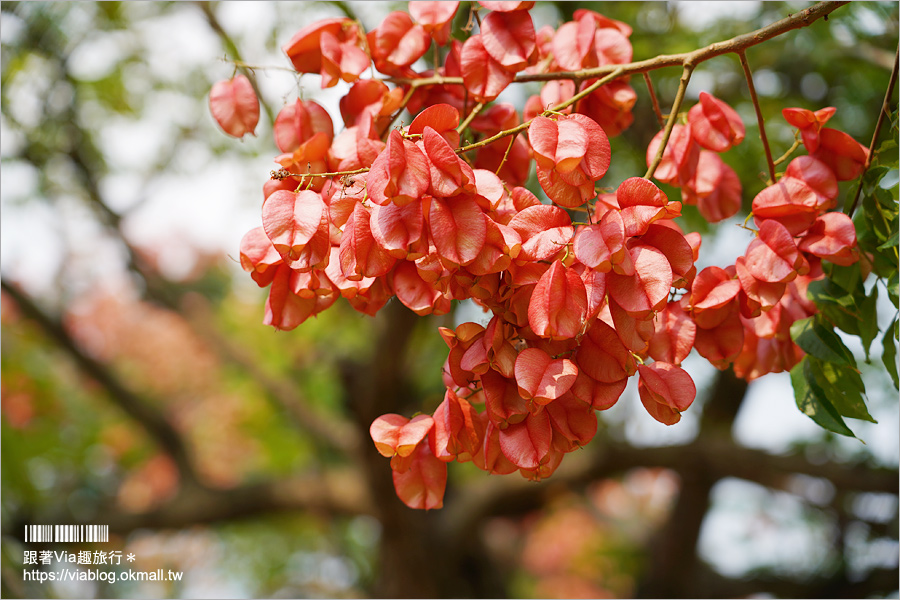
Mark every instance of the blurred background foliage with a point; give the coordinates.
(140, 389)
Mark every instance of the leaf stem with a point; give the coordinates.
(787, 154)
(334, 174)
(673, 116)
(469, 117)
(885, 108)
(654, 99)
(759, 116)
(512, 141)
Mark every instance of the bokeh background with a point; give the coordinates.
(140, 389)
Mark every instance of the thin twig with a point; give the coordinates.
(512, 141)
(653, 99)
(553, 109)
(673, 116)
(759, 116)
(406, 98)
(359, 171)
(885, 107)
(469, 117)
(787, 154)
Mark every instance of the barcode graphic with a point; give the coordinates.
(66, 533)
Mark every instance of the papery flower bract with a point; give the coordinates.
(527, 443)
(773, 256)
(713, 293)
(297, 224)
(602, 356)
(844, 155)
(423, 483)
(398, 435)
(509, 38)
(450, 175)
(545, 231)
(298, 122)
(370, 97)
(259, 257)
(666, 391)
(458, 431)
(601, 245)
(647, 290)
(234, 106)
(809, 123)
(674, 333)
(330, 47)
(435, 18)
(833, 238)
(482, 75)
(558, 306)
(715, 188)
(397, 43)
(400, 174)
(679, 159)
(542, 378)
(715, 125)
(458, 228)
(572, 420)
(360, 254)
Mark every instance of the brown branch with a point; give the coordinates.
(885, 109)
(129, 401)
(711, 584)
(797, 20)
(718, 457)
(759, 116)
(336, 493)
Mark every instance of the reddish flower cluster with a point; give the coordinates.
(577, 307)
(691, 158)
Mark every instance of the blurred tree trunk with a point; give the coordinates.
(417, 559)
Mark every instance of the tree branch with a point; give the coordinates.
(720, 458)
(131, 403)
(804, 18)
(339, 492)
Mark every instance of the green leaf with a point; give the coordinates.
(868, 324)
(893, 287)
(836, 305)
(816, 339)
(891, 242)
(848, 277)
(843, 387)
(889, 353)
(812, 401)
